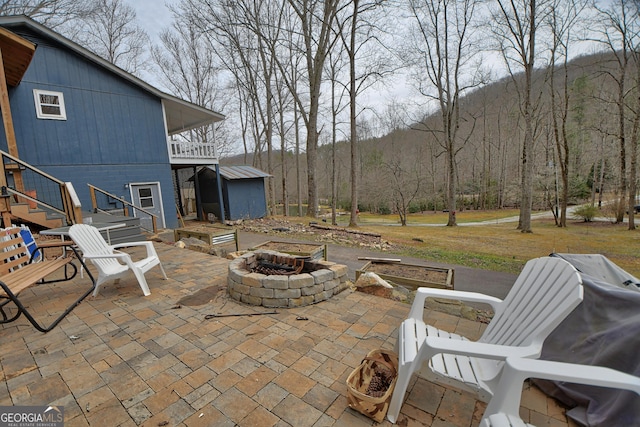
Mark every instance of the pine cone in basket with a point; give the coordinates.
(380, 381)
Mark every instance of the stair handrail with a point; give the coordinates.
(72, 209)
(125, 205)
(9, 190)
(72, 202)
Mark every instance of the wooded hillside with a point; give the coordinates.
(409, 162)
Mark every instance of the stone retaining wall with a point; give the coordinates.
(297, 290)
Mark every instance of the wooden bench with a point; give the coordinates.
(18, 272)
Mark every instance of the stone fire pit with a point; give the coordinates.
(318, 280)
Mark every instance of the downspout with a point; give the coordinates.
(178, 191)
(219, 185)
(196, 189)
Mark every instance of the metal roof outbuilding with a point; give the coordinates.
(241, 172)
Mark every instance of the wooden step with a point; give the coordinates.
(126, 234)
(23, 213)
(131, 232)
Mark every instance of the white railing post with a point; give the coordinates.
(199, 152)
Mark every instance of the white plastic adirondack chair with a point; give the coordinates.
(107, 258)
(544, 293)
(504, 408)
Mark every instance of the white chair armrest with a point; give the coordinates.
(506, 401)
(130, 244)
(417, 308)
(436, 345)
(149, 245)
(574, 373)
(113, 255)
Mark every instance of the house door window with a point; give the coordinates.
(146, 197)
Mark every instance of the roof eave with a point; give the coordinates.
(24, 20)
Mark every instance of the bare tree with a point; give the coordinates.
(357, 32)
(110, 30)
(52, 13)
(635, 140)
(246, 36)
(634, 46)
(291, 63)
(106, 27)
(445, 41)
(267, 17)
(315, 21)
(562, 19)
(404, 181)
(188, 69)
(334, 67)
(618, 26)
(515, 26)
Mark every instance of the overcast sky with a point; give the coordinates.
(153, 15)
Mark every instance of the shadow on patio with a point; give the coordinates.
(123, 359)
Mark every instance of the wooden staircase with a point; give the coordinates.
(28, 194)
(22, 212)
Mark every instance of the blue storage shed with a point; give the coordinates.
(242, 190)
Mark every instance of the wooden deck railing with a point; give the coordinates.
(32, 185)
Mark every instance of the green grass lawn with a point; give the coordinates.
(431, 217)
(500, 246)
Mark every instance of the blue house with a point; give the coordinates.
(82, 120)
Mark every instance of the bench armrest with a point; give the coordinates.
(40, 247)
(54, 244)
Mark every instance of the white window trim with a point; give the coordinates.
(42, 115)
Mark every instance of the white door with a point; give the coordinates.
(147, 196)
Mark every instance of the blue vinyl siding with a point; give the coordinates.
(109, 120)
(245, 198)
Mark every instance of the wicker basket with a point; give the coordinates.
(377, 362)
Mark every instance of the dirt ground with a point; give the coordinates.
(287, 247)
(409, 271)
(321, 232)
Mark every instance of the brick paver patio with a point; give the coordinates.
(123, 359)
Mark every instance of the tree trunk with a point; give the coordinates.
(296, 121)
(451, 189)
(334, 130)
(283, 168)
(353, 221)
(633, 168)
(312, 149)
(622, 153)
(527, 176)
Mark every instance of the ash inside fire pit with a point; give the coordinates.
(273, 267)
(274, 279)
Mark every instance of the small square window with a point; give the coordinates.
(146, 198)
(49, 105)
